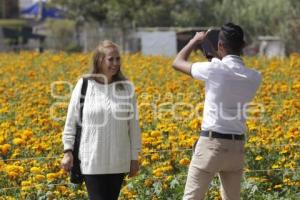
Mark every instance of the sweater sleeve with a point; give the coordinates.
(68, 136)
(134, 130)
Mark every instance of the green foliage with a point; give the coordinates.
(12, 23)
(257, 17)
(62, 33)
(84, 9)
(137, 12)
(261, 17)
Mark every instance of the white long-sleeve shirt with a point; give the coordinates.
(111, 135)
(229, 87)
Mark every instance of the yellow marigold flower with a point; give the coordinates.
(12, 175)
(62, 189)
(155, 134)
(184, 161)
(172, 139)
(147, 182)
(169, 178)
(275, 166)
(194, 124)
(258, 158)
(278, 186)
(290, 165)
(14, 168)
(158, 174)
(72, 195)
(155, 157)
(5, 148)
(35, 170)
(27, 133)
(25, 183)
(283, 151)
(51, 176)
(56, 58)
(81, 192)
(26, 188)
(18, 141)
(21, 169)
(56, 193)
(145, 163)
(287, 181)
(40, 177)
(61, 172)
(4, 110)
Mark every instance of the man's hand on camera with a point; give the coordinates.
(199, 37)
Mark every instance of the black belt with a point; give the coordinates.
(222, 136)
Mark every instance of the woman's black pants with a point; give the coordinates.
(103, 186)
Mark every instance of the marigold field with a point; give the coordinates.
(35, 91)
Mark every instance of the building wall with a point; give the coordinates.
(158, 43)
(271, 46)
(25, 3)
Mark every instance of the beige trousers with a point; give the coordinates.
(211, 156)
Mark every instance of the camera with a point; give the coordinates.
(209, 46)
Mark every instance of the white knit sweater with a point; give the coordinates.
(111, 135)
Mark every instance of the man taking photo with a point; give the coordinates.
(229, 86)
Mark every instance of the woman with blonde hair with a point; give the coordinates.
(110, 138)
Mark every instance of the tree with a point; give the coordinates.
(262, 17)
(137, 12)
(257, 17)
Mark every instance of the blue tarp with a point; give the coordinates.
(46, 11)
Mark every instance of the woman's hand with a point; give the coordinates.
(67, 161)
(134, 168)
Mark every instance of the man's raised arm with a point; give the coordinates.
(181, 62)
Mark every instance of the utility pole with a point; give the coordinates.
(3, 8)
(40, 9)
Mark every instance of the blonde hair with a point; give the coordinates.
(98, 56)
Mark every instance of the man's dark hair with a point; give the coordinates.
(232, 37)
